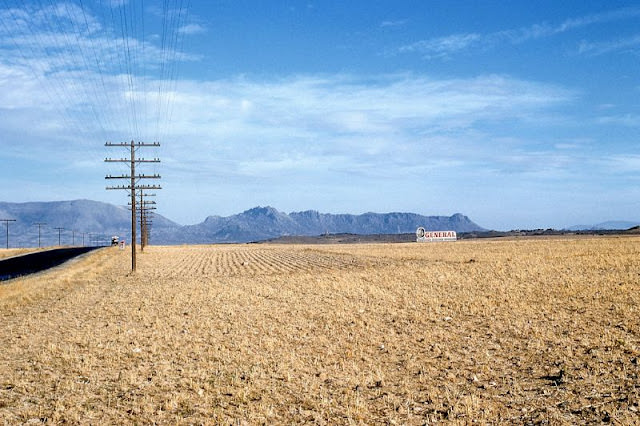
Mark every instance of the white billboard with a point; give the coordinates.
(424, 236)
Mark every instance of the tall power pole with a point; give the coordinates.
(133, 185)
(39, 225)
(59, 234)
(6, 222)
(145, 208)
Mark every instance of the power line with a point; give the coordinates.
(54, 89)
(6, 222)
(57, 40)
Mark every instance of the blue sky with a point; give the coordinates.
(518, 114)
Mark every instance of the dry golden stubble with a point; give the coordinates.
(490, 331)
(5, 253)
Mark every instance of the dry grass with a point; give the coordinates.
(520, 331)
(5, 253)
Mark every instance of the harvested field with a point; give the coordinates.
(493, 331)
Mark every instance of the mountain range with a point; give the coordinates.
(604, 226)
(94, 222)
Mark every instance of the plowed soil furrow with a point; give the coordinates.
(251, 261)
(278, 263)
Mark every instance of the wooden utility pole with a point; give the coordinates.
(6, 222)
(39, 225)
(133, 185)
(145, 208)
(59, 234)
(148, 215)
(145, 221)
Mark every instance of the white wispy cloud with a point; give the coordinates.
(191, 29)
(567, 146)
(629, 120)
(393, 23)
(300, 122)
(442, 47)
(349, 104)
(629, 163)
(58, 56)
(78, 45)
(116, 3)
(601, 48)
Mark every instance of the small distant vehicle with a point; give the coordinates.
(114, 240)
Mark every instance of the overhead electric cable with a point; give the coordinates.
(79, 41)
(125, 38)
(74, 70)
(104, 100)
(53, 90)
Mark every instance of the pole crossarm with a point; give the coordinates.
(129, 187)
(132, 144)
(134, 177)
(144, 203)
(143, 208)
(126, 160)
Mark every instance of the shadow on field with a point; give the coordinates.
(36, 262)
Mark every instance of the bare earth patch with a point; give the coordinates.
(520, 331)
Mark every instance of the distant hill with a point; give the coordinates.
(256, 224)
(610, 225)
(82, 216)
(262, 223)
